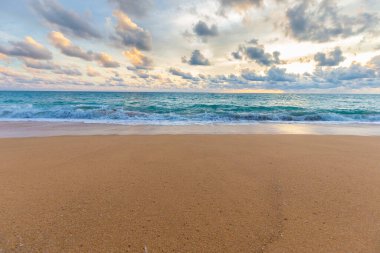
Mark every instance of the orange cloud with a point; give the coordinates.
(107, 61)
(2, 56)
(124, 22)
(59, 40)
(33, 42)
(130, 34)
(29, 48)
(67, 48)
(137, 58)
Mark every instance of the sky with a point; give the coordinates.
(298, 46)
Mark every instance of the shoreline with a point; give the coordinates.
(18, 129)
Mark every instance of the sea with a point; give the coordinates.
(160, 108)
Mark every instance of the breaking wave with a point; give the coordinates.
(187, 108)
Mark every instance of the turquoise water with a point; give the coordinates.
(188, 108)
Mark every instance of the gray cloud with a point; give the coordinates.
(252, 76)
(130, 34)
(203, 30)
(353, 72)
(197, 58)
(321, 22)
(106, 61)
(274, 78)
(133, 7)
(67, 48)
(355, 76)
(75, 51)
(64, 20)
(375, 63)
(139, 39)
(273, 74)
(239, 53)
(253, 41)
(280, 75)
(55, 68)
(28, 48)
(333, 58)
(36, 64)
(68, 71)
(257, 54)
(184, 75)
(143, 75)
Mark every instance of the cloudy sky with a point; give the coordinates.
(191, 45)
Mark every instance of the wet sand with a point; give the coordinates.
(190, 193)
(16, 129)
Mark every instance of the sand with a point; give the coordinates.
(190, 193)
(18, 129)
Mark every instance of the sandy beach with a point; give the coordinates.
(190, 193)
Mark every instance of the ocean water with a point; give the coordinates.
(188, 108)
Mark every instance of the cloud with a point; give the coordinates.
(253, 41)
(67, 71)
(203, 30)
(3, 56)
(252, 76)
(107, 61)
(273, 74)
(133, 7)
(280, 75)
(17, 80)
(9, 72)
(184, 75)
(55, 68)
(354, 77)
(321, 21)
(333, 58)
(197, 58)
(142, 75)
(257, 54)
(67, 48)
(138, 59)
(130, 34)
(375, 63)
(336, 75)
(92, 72)
(64, 20)
(37, 64)
(28, 48)
(239, 53)
(238, 5)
